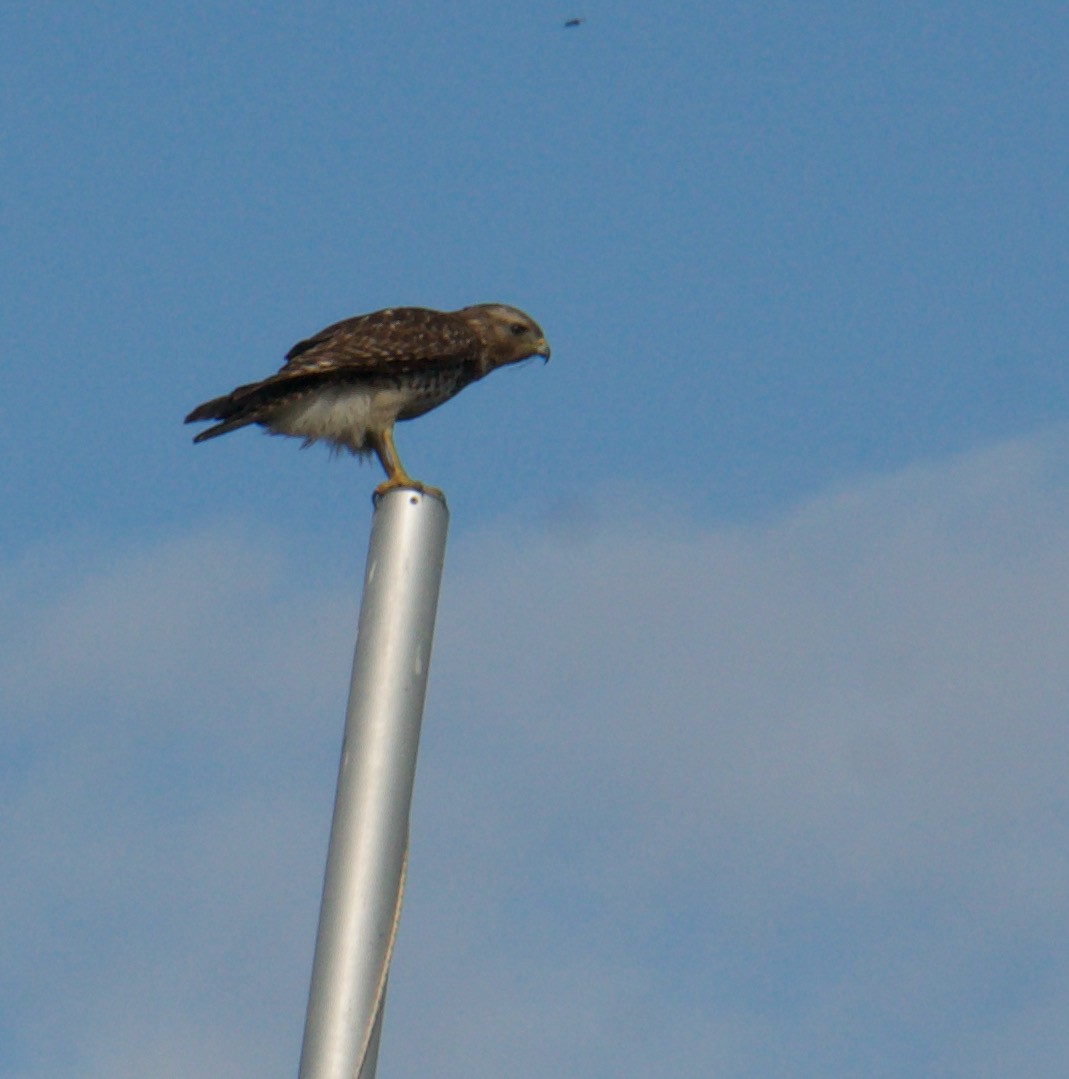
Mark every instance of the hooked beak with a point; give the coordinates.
(542, 350)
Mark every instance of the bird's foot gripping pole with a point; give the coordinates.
(405, 483)
(396, 476)
(368, 849)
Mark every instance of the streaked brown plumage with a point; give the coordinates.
(354, 380)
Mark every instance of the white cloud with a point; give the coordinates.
(787, 797)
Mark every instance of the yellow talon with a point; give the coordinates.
(396, 476)
(402, 481)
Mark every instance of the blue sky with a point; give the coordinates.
(745, 747)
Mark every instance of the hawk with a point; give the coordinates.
(354, 380)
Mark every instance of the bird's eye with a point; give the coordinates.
(518, 329)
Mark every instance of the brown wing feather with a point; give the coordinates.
(399, 339)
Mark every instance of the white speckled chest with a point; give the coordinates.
(344, 414)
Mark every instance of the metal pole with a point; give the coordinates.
(369, 834)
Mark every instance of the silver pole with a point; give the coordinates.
(369, 834)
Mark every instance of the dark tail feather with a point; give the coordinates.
(222, 428)
(249, 404)
(224, 408)
(218, 408)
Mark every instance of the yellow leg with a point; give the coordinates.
(396, 476)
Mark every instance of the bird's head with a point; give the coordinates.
(507, 334)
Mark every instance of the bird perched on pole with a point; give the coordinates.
(350, 383)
